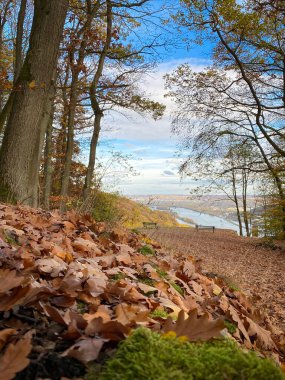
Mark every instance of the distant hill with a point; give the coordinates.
(131, 214)
(134, 214)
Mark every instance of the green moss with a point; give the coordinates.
(146, 250)
(81, 307)
(118, 276)
(148, 356)
(231, 327)
(135, 231)
(146, 280)
(177, 288)
(159, 314)
(160, 271)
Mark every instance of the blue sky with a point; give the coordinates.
(151, 143)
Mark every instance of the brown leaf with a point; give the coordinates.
(169, 305)
(15, 358)
(263, 337)
(84, 245)
(9, 280)
(13, 299)
(131, 314)
(195, 328)
(235, 317)
(5, 335)
(85, 350)
(188, 269)
(51, 266)
(95, 286)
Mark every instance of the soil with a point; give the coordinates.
(253, 265)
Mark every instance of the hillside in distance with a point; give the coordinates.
(217, 205)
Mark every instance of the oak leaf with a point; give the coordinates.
(15, 358)
(263, 337)
(9, 280)
(85, 350)
(5, 335)
(193, 327)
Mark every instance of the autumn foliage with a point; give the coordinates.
(78, 288)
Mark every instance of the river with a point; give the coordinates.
(204, 219)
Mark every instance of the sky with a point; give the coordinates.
(151, 145)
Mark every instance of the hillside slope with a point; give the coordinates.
(70, 289)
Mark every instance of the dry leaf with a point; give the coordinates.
(235, 317)
(129, 314)
(52, 266)
(85, 350)
(15, 358)
(263, 337)
(5, 335)
(193, 327)
(9, 280)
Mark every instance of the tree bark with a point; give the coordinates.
(92, 155)
(95, 103)
(48, 165)
(73, 102)
(22, 140)
(19, 40)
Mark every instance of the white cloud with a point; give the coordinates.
(133, 126)
(150, 140)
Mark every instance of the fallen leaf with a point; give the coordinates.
(52, 266)
(235, 317)
(9, 280)
(194, 328)
(5, 335)
(85, 350)
(84, 245)
(262, 336)
(131, 314)
(15, 358)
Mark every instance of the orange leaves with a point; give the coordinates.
(15, 358)
(83, 289)
(9, 280)
(195, 328)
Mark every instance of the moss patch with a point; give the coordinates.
(148, 356)
(146, 250)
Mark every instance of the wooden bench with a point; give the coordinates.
(200, 227)
(150, 225)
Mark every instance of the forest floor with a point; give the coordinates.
(244, 263)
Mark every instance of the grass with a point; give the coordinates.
(149, 356)
(146, 250)
(118, 276)
(177, 288)
(231, 327)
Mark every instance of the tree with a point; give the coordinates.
(23, 138)
(242, 93)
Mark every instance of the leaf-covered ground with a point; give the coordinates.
(70, 290)
(250, 264)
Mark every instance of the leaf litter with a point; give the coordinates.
(69, 288)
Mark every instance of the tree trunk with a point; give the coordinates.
(95, 103)
(48, 165)
(236, 203)
(92, 155)
(69, 144)
(19, 40)
(47, 118)
(244, 203)
(22, 143)
(73, 102)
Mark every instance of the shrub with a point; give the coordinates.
(148, 356)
